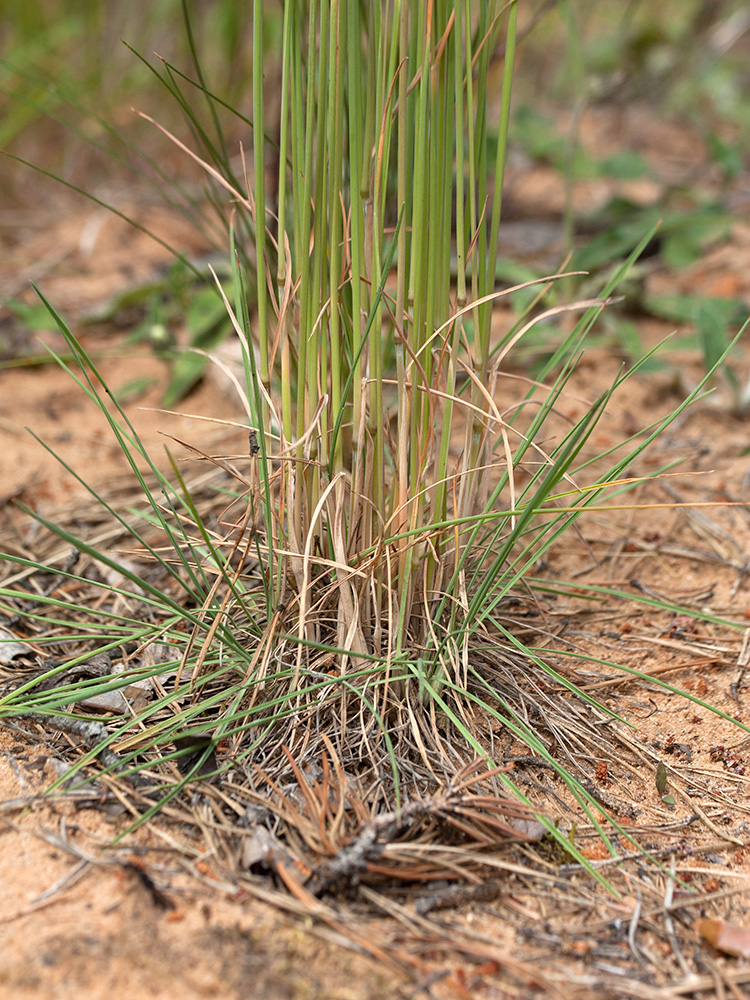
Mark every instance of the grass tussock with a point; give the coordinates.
(327, 631)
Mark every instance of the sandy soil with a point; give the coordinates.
(159, 916)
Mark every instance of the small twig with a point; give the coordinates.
(692, 804)
(668, 922)
(632, 928)
(17, 805)
(68, 880)
(93, 735)
(456, 895)
(682, 904)
(700, 984)
(717, 979)
(743, 659)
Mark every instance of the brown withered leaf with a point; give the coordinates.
(732, 939)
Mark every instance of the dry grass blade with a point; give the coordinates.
(335, 837)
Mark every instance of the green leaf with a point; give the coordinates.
(205, 313)
(35, 318)
(729, 156)
(209, 324)
(686, 235)
(661, 778)
(135, 389)
(538, 136)
(685, 308)
(614, 243)
(187, 372)
(679, 251)
(629, 338)
(626, 165)
(713, 331)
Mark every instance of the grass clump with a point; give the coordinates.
(330, 610)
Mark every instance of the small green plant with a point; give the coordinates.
(615, 54)
(662, 785)
(348, 601)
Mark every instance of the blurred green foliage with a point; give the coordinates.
(67, 81)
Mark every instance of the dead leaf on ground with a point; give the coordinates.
(11, 649)
(733, 939)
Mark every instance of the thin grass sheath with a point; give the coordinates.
(319, 630)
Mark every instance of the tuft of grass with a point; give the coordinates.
(337, 603)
